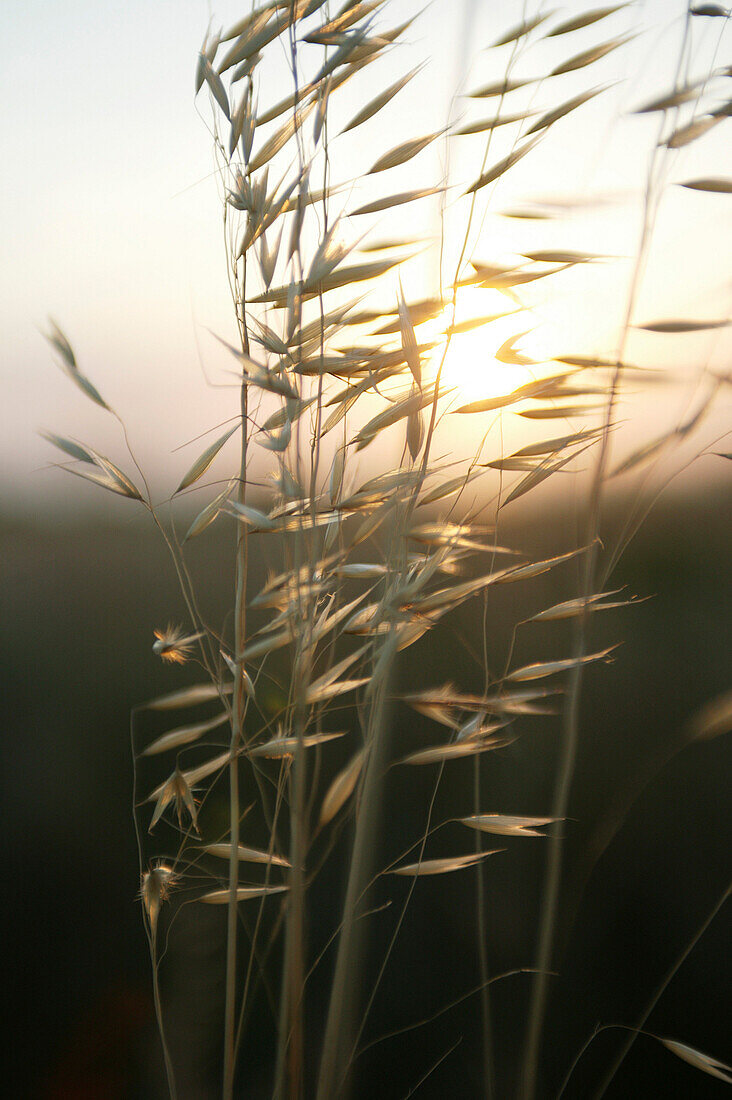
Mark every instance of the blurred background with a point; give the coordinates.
(80, 600)
(110, 216)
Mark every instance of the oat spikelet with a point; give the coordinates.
(172, 645)
(154, 890)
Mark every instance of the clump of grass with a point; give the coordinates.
(334, 358)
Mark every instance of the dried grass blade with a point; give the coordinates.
(589, 57)
(246, 855)
(329, 622)
(521, 30)
(711, 11)
(175, 790)
(557, 256)
(184, 735)
(720, 186)
(443, 866)
(243, 893)
(449, 696)
(287, 746)
(409, 341)
(69, 447)
(203, 462)
(512, 464)
(503, 165)
(58, 340)
(535, 477)
(423, 310)
(487, 404)
(584, 20)
(279, 442)
(550, 668)
(106, 482)
(484, 124)
(446, 598)
(361, 571)
(328, 33)
(669, 102)
(249, 24)
(396, 412)
(216, 85)
(476, 322)
(508, 354)
(454, 485)
(247, 514)
(648, 450)
(109, 468)
(280, 138)
(343, 277)
(341, 788)
(283, 105)
(345, 52)
(189, 697)
(500, 88)
(399, 199)
(506, 825)
(534, 568)
(193, 776)
(260, 33)
(511, 278)
(528, 213)
(570, 608)
(454, 751)
(693, 130)
(704, 1062)
(402, 153)
(208, 514)
(558, 412)
(314, 692)
(330, 691)
(267, 645)
(682, 326)
(379, 101)
(239, 117)
(291, 411)
(551, 446)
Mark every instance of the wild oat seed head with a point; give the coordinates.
(173, 645)
(155, 889)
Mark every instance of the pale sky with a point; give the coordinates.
(110, 219)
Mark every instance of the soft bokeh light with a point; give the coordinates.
(469, 355)
(111, 214)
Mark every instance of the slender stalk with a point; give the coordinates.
(159, 1017)
(291, 1046)
(421, 844)
(237, 723)
(151, 929)
(627, 1045)
(289, 1078)
(485, 1004)
(337, 1043)
(537, 1010)
(253, 955)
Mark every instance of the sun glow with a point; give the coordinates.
(470, 365)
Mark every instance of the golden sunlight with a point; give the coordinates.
(484, 321)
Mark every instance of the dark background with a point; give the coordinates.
(80, 601)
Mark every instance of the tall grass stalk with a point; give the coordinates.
(571, 730)
(340, 351)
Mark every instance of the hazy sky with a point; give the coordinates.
(111, 221)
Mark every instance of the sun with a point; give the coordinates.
(483, 322)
